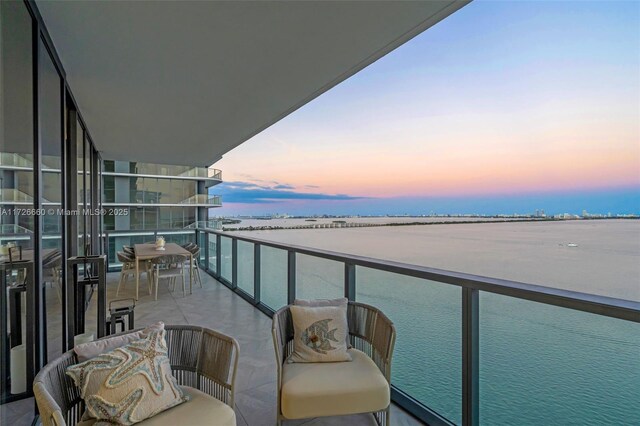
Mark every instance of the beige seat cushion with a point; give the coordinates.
(202, 409)
(333, 389)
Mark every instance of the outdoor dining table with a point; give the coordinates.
(149, 251)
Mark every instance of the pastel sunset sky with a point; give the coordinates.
(504, 107)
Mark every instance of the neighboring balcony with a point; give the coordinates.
(13, 161)
(203, 200)
(24, 162)
(15, 197)
(10, 232)
(211, 224)
(210, 175)
(155, 199)
(203, 173)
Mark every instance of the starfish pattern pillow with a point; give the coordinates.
(319, 334)
(129, 384)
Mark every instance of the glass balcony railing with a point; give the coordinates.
(203, 173)
(163, 170)
(10, 228)
(470, 350)
(14, 196)
(151, 198)
(14, 160)
(204, 199)
(211, 224)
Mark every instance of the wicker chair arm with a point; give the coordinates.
(55, 392)
(218, 362)
(50, 411)
(282, 333)
(372, 332)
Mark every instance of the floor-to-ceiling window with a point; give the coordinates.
(48, 175)
(80, 183)
(16, 125)
(50, 95)
(16, 194)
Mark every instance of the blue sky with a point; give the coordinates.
(503, 107)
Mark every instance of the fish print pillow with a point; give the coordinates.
(320, 334)
(129, 384)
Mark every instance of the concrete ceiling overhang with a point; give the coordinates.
(185, 82)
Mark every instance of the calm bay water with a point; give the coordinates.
(538, 364)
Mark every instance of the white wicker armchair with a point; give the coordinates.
(200, 358)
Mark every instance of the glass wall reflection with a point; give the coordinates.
(16, 194)
(50, 111)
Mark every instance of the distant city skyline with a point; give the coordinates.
(502, 108)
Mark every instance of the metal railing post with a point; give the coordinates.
(470, 355)
(291, 276)
(105, 246)
(206, 250)
(350, 281)
(234, 263)
(218, 258)
(256, 273)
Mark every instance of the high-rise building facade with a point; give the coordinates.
(143, 200)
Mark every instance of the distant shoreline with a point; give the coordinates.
(343, 223)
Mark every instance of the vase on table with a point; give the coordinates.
(160, 243)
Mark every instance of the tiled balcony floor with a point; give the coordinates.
(213, 306)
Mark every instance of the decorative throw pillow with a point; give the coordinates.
(130, 383)
(322, 302)
(319, 334)
(341, 301)
(85, 351)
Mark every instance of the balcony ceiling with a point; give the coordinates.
(185, 82)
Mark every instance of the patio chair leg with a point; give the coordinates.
(198, 276)
(149, 277)
(120, 282)
(155, 278)
(58, 284)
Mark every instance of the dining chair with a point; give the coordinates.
(169, 266)
(129, 268)
(129, 250)
(188, 246)
(195, 255)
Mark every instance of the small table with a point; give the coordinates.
(148, 251)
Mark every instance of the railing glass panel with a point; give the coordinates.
(115, 243)
(225, 258)
(179, 238)
(202, 238)
(245, 267)
(428, 351)
(542, 364)
(213, 256)
(318, 278)
(273, 277)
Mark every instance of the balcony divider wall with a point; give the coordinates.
(47, 164)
